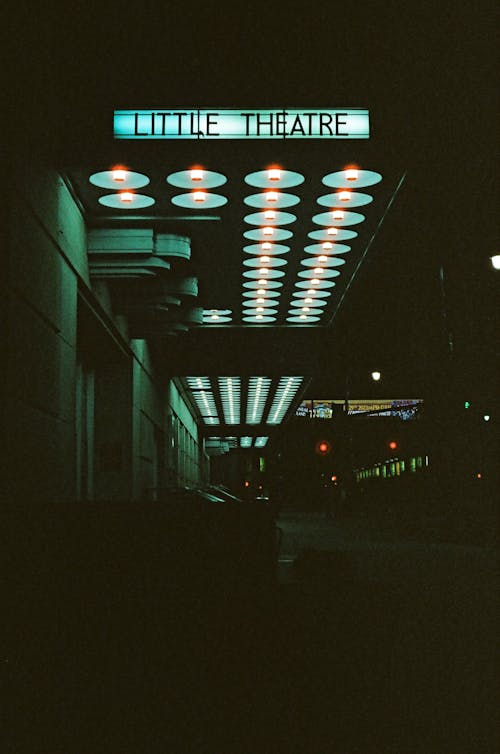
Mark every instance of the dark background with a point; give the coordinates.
(426, 73)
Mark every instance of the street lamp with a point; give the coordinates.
(376, 376)
(495, 261)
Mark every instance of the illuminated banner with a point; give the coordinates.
(404, 409)
(239, 124)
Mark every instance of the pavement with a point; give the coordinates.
(366, 643)
(442, 649)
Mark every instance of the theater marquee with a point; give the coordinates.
(241, 124)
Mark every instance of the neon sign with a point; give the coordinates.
(241, 124)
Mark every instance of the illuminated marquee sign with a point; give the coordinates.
(241, 124)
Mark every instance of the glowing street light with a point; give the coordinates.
(376, 376)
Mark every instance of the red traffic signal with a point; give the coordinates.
(323, 447)
(393, 445)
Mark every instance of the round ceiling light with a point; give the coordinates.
(313, 303)
(355, 200)
(119, 179)
(269, 284)
(199, 200)
(260, 234)
(311, 275)
(274, 178)
(303, 319)
(216, 319)
(298, 310)
(196, 178)
(349, 218)
(261, 262)
(271, 249)
(259, 319)
(335, 248)
(126, 200)
(259, 310)
(323, 235)
(270, 274)
(262, 301)
(321, 285)
(328, 262)
(271, 200)
(342, 179)
(265, 219)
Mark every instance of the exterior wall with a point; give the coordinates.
(188, 461)
(46, 251)
(86, 415)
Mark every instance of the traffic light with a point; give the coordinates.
(323, 447)
(467, 404)
(393, 445)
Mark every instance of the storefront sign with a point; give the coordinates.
(241, 124)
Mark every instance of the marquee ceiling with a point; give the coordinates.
(276, 232)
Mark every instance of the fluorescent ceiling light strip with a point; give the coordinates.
(246, 442)
(257, 396)
(198, 383)
(260, 442)
(230, 390)
(287, 388)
